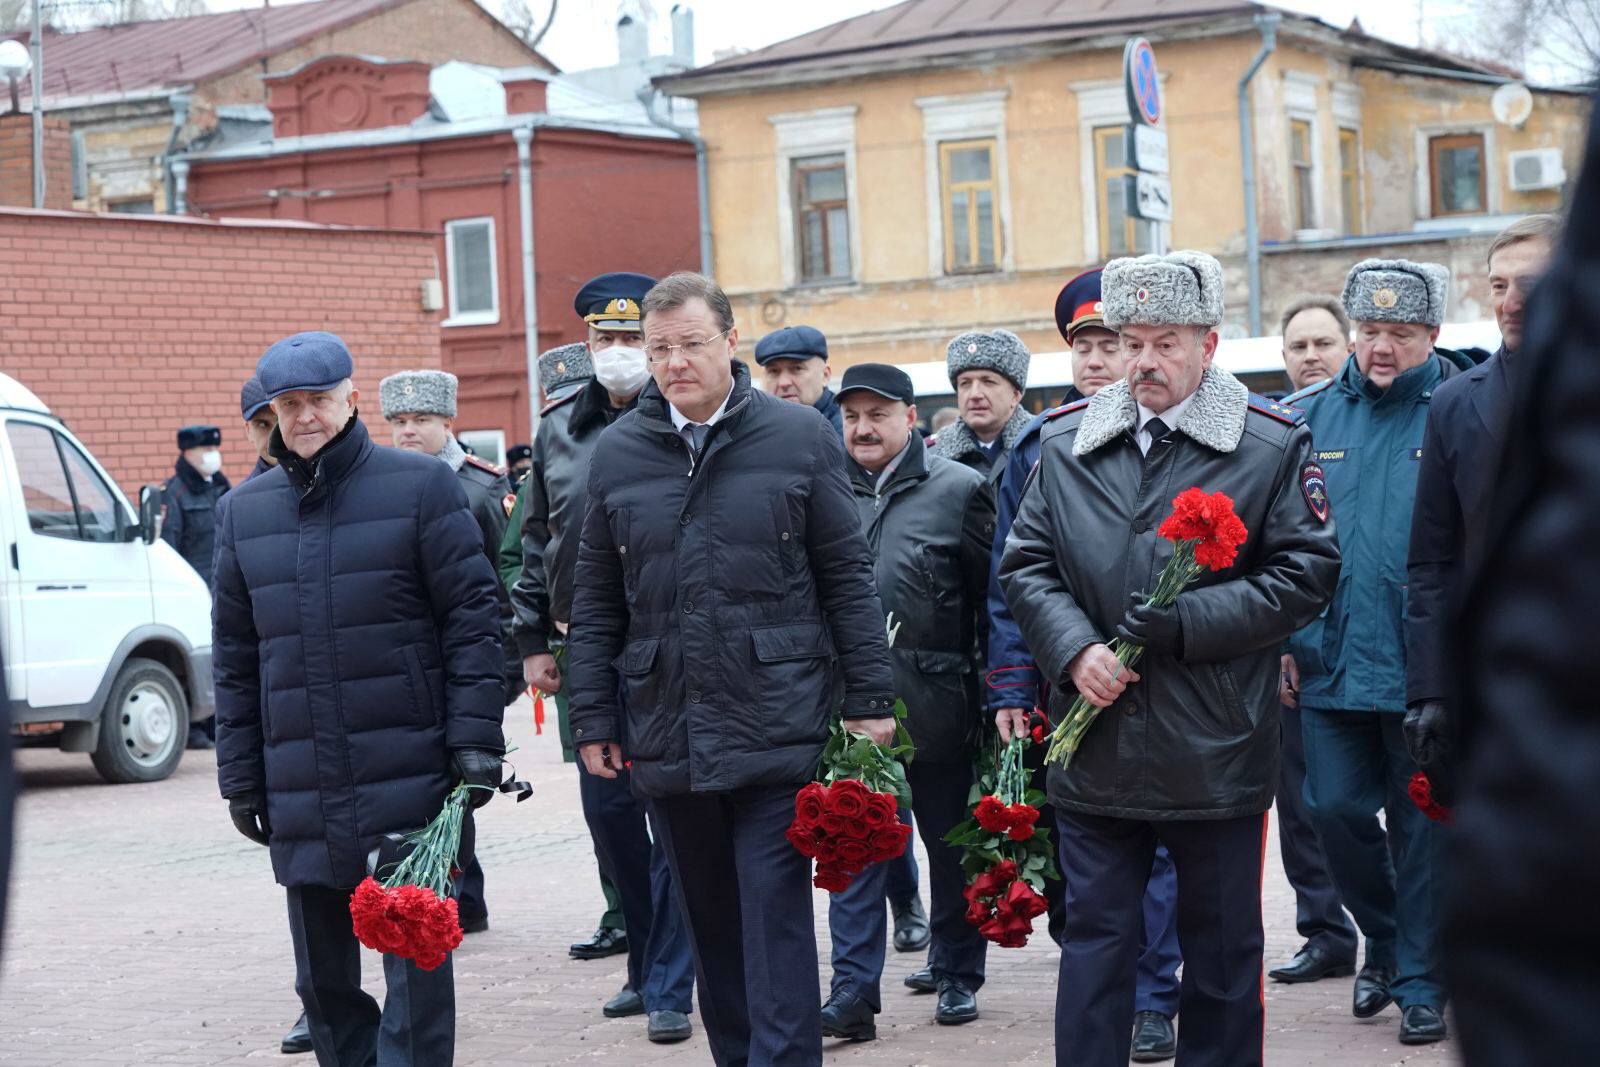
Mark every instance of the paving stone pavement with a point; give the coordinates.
(145, 930)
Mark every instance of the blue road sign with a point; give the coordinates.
(1143, 84)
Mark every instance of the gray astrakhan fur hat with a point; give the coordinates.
(1177, 289)
(1396, 290)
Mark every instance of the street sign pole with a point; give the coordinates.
(1149, 190)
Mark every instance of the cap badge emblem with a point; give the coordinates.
(972, 348)
(561, 367)
(1141, 295)
(1385, 298)
(408, 389)
(1099, 305)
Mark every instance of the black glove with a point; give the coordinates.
(1427, 730)
(249, 814)
(477, 766)
(1157, 629)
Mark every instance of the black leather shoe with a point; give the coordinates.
(847, 1016)
(298, 1039)
(605, 942)
(922, 981)
(911, 933)
(475, 925)
(1311, 963)
(624, 1004)
(669, 1027)
(1153, 1039)
(1421, 1024)
(1372, 991)
(957, 1005)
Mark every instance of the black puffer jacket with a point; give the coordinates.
(190, 521)
(931, 528)
(718, 603)
(1198, 736)
(356, 641)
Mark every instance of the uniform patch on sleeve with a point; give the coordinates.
(1314, 487)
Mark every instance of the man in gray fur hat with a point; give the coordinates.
(1185, 752)
(1346, 671)
(989, 371)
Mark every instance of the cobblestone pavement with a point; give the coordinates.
(145, 930)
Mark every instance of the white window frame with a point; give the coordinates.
(965, 117)
(1102, 103)
(1423, 190)
(1300, 105)
(471, 318)
(1347, 116)
(801, 135)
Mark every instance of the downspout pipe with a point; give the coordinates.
(36, 46)
(647, 96)
(1268, 25)
(523, 135)
(180, 116)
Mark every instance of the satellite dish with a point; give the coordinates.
(14, 59)
(1511, 104)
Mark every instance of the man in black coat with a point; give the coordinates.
(1456, 485)
(188, 522)
(723, 588)
(930, 524)
(1185, 750)
(356, 646)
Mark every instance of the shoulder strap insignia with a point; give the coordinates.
(1274, 410)
(1311, 390)
(485, 465)
(1064, 408)
(558, 401)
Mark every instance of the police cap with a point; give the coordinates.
(198, 437)
(611, 301)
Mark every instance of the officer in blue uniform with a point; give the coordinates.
(794, 364)
(1013, 679)
(1350, 663)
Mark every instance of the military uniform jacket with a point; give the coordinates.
(554, 497)
(930, 528)
(190, 524)
(1198, 736)
(1368, 442)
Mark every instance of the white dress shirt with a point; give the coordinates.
(1169, 416)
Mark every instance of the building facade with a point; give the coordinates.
(933, 167)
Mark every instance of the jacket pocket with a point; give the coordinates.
(421, 695)
(790, 552)
(640, 690)
(792, 680)
(942, 703)
(266, 719)
(1233, 709)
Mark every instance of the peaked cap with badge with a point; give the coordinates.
(418, 392)
(998, 350)
(1396, 290)
(611, 301)
(1177, 289)
(564, 365)
(198, 437)
(1080, 305)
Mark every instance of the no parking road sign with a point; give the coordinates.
(1144, 86)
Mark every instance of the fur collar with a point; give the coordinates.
(958, 440)
(1214, 419)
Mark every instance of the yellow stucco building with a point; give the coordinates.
(935, 167)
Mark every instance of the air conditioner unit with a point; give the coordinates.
(1538, 169)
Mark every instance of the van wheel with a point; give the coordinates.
(144, 726)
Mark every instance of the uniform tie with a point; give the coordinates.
(1157, 430)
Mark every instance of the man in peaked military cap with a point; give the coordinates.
(794, 361)
(989, 371)
(189, 526)
(1185, 752)
(553, 498)
(369, 553)
(1347, 669)
(1013, 688)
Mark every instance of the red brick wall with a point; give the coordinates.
(16, 161)
(131, 328)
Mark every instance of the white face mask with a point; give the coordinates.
(210, 461)
(622, 370)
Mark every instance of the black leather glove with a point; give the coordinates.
(477, 766)
(1157, 629)
(1427, 730)
(249, 814)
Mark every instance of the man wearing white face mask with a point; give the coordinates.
(190, 524)
(553, 498)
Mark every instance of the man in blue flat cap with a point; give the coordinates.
(554, 497)
(794, 364)
(359, 678)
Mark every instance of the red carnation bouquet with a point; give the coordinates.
(847, 819)
(1207, 534)
(1421, 792)
(1006, 854)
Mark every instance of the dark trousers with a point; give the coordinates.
(746, 897)
(619, 825)
(470, 904)
(611, 918)
(902, 878)
(1318, 915)
(417, 1026)
(1106, 863)
(857, 922)
(1387, 874)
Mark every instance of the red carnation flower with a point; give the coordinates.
(1421, 792)
(1210, 522)
(993, 815)
(1038, 735)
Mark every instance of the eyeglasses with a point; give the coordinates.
(690, 349)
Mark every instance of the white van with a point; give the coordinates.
(105, 631)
